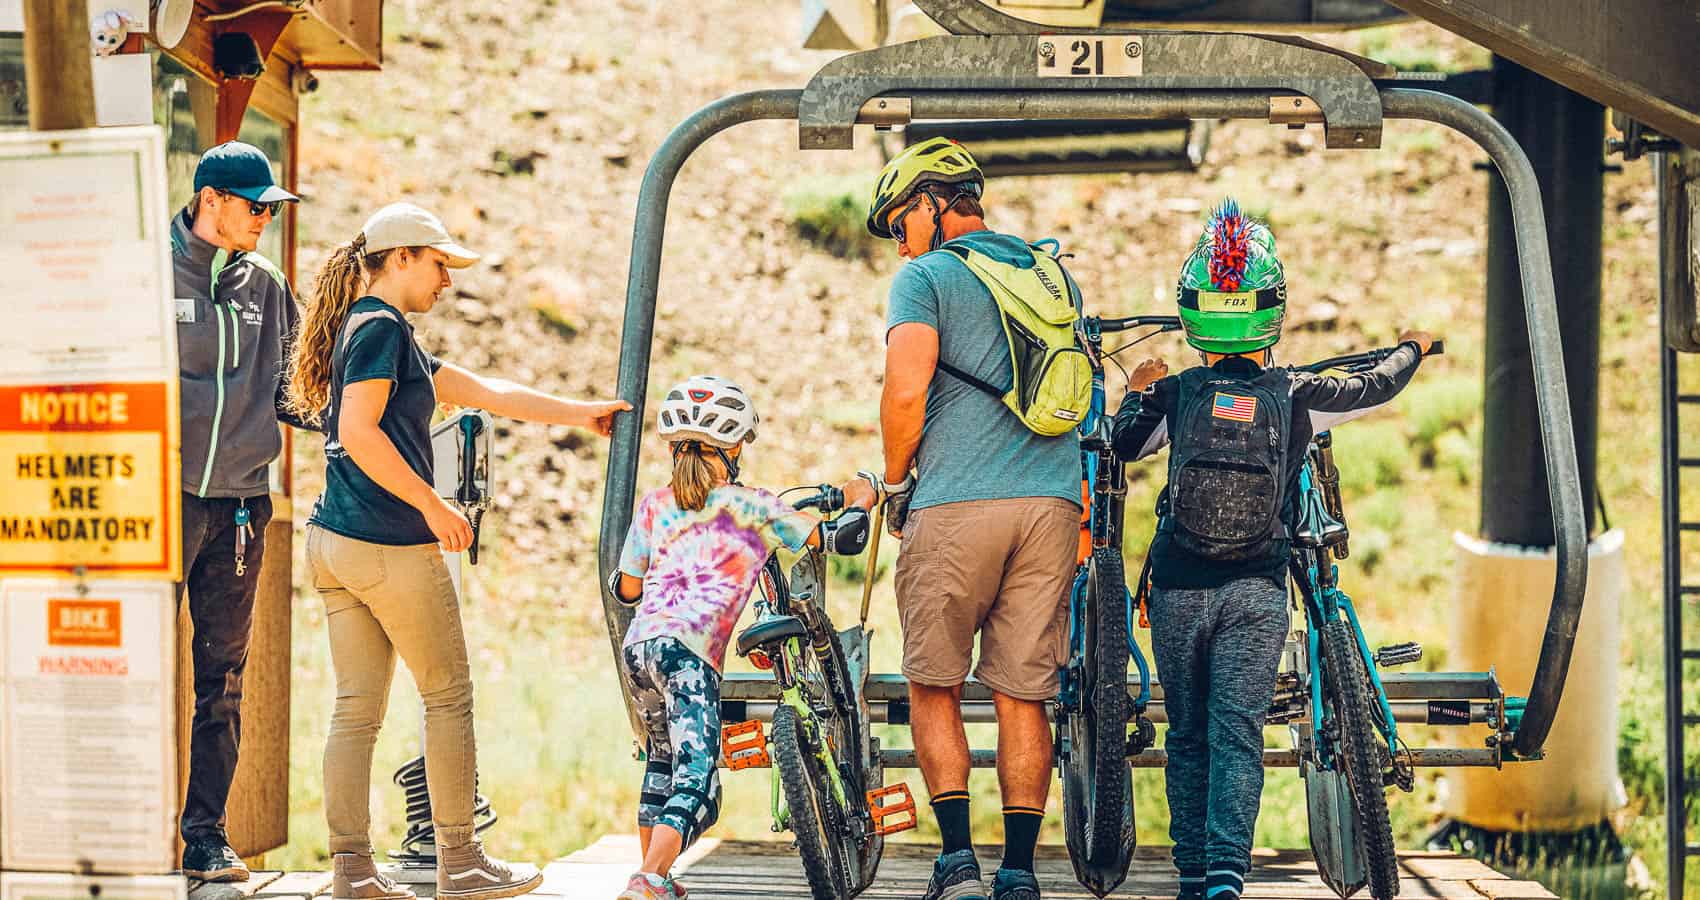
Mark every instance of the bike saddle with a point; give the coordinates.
(1322, 531)
(770, 630)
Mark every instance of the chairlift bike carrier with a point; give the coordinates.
(988, 69)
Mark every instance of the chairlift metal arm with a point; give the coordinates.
(1059, 102)
(1171, 61)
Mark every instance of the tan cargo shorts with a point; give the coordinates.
(998, 567)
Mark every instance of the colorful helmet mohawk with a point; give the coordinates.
(1229, 235)
(1232, 292)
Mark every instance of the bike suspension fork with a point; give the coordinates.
(1390, 729)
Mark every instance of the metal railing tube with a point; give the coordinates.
(1540, 306)
(638, 333)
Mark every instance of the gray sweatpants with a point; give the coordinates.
(1217, 651)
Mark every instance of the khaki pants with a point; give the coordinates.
(381, 601)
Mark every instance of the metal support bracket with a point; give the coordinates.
(1344, 92)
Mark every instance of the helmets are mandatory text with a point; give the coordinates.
(1232, 292)
(939, 161)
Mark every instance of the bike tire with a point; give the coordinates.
(1107, 705)
(808, 798)
(853, 754)
(1363, 755)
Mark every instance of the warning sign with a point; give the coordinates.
(88, 479)
(87, 769)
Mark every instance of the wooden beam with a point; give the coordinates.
(265, 27)
(58, 70)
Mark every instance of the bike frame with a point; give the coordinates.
(1105, 496)
(778, 597)
(1324, 603)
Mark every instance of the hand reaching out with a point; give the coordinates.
(1146, 374)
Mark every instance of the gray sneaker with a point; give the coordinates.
(1015, 884)
(956, 876)
(465, 873)
(356, 877)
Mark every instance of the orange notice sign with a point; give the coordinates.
(88, 478)
(85, 623)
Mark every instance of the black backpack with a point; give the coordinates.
(1228, 464)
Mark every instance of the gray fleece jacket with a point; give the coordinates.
(236, 318)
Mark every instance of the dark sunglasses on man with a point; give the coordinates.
(256, 208)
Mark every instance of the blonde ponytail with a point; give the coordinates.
(335, 289)
(693, 475)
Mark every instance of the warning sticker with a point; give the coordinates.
(87, 479)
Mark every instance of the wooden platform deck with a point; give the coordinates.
(716, 870)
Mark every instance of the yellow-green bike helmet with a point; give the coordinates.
(936, 161)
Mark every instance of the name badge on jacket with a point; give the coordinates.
(185, 310)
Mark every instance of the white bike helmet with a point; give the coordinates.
(712, 410)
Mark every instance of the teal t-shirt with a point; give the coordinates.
(972, 446)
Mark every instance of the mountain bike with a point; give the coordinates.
(1351, 750)
(827, 777)
(1093, 708)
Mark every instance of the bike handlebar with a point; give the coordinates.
(827, 499)
(1358, 362)
(1162, 323)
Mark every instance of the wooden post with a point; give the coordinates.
(57, 64)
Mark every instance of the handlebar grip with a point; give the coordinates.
(1437, 348)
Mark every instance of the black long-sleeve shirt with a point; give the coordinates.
(1320, 402)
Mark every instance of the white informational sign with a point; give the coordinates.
(11, 15)
(88, 773)
(85, 257)
(123, 89)
(42, 886)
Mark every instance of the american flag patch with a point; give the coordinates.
(1229, 406)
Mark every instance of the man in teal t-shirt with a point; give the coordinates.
(993, 515)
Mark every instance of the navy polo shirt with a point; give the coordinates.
(376, 342)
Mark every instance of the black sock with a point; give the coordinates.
(951, 810)
(1020, 835)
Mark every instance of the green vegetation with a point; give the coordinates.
(832, 214)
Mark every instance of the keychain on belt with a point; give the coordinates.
(244, 532)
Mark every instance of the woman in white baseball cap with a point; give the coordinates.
(375, 537)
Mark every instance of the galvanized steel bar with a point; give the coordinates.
(1540, 308)
(887, 688)
(979, 712)
(1428, 757)
(1534, 261)
(638, 334)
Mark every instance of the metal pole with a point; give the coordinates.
(58, 72)
(1563, 132)
(1666, 168)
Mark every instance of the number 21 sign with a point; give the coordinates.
(1095, 56)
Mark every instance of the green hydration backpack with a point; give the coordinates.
(1051, 385)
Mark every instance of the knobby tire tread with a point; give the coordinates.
(1361, 755)
(1108, 704)
(803, 791)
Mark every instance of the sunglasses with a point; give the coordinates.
(257, 209)
(896, 227)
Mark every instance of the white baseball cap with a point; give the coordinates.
(406, 225)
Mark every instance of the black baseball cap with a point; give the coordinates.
(240, 169)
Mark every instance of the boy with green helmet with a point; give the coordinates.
(1237, 428)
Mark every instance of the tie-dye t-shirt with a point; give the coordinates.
(699, 566)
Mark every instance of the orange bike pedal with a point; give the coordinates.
(884, 808)
(744, 746)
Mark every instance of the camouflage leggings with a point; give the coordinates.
(677, 695)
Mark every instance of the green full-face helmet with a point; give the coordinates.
(1232, 292)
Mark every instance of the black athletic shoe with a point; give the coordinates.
(213, 860)
(1015, 884)
(956, 876)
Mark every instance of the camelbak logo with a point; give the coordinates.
(1045, 280)
(700, 396)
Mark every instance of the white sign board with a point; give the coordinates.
(87, 768)
(41, 886)
(85, 257)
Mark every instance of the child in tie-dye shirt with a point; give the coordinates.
(690, 561)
